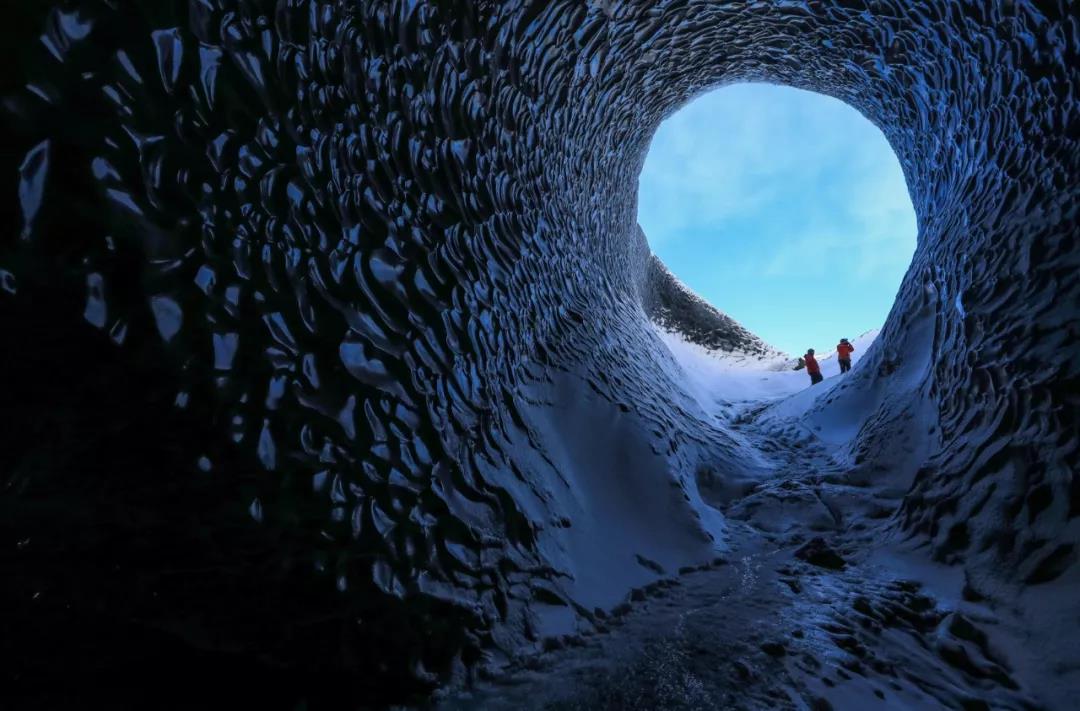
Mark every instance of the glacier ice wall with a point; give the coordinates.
(675, 307)
(369, 269)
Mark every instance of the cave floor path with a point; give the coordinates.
(768, 628)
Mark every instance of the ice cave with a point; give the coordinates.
(332, 375)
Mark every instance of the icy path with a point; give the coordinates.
(847, 623)
(764, 629)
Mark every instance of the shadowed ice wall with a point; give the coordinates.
(362, 264)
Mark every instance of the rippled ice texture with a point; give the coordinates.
(381, 367)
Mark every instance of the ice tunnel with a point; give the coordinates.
(327, 333)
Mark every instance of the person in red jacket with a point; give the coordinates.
(812, 367)
(843, 354)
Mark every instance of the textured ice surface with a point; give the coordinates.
(676, 308)
(357, 261)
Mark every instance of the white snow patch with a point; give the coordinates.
(719, 381)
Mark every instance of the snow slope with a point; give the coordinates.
(723, 380)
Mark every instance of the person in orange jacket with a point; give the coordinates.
(812, 367)
(843, 354)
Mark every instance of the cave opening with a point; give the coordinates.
(786, 209)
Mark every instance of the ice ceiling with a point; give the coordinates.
(358, 258)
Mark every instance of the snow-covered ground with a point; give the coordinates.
(770, 624)
(811, 601)
(719, 380)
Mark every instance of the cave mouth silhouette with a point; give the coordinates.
(785, 209)
(351, 308)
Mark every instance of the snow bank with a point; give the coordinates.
(720, 380)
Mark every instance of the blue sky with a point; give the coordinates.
(783, 208)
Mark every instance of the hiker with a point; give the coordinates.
(843, 354)
(812, 367)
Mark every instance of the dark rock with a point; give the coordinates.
(553, 643)
(774, 649)
(649, 564)
(971, 594)
(742, 670)
(817, 552)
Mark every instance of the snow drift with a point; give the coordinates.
(344, 307)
